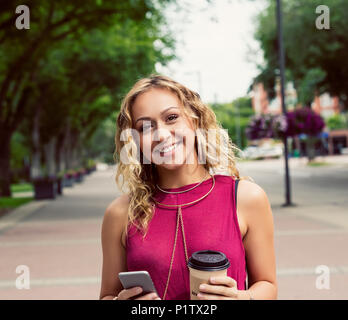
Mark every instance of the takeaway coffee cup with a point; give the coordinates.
(203, 265)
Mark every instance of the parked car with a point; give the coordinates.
(255, 152)
(271, 152)
(251, 152)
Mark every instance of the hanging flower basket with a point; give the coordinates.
(266, 126)
(304, 120)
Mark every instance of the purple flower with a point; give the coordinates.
(266, 126)
(304, 120)
(295, 122)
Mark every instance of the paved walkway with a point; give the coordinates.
(312, 233)
(59, 241)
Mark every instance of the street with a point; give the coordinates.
(59, 240)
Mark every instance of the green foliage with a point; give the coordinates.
(336, 122)
(19, 150)
(234, 117)
(101, 145)
(8, 202)
(22, 187)
(315, 59)
(308, 85)
(73, 66)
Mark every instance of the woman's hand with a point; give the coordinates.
(222, 288)
(126, 294)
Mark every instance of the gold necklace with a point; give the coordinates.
(184, 190)
(179, 216)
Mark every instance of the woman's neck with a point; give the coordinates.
(186, 174)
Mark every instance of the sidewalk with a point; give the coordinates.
(60, 240)
(312, 233)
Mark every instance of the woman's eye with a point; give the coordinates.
(144, 128)
(172, 117)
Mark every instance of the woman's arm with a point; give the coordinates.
(254, 207)
(114, 254)
(254, 210)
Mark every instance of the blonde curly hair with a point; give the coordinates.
(142, 178)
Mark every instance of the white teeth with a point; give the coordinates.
(169, 148)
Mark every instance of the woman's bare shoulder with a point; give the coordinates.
(250, 189)
(115, 219)
(251, 197)
(117, 211)
(118, 206)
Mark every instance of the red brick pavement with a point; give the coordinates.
(60, 243)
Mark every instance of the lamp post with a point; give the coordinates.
(282, 84)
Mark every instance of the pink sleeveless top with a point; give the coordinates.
(209, 224)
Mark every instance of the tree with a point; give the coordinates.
(315, 59)
(24, 52)
(234, 117)
(337, 122)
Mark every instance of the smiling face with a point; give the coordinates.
(167, 136)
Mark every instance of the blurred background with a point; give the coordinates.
(64, 68)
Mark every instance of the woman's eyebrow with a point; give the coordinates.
(148, 118)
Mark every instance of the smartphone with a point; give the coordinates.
(137, 279)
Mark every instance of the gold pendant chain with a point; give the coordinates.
(178, 220)
(186, 204)
(174, 192)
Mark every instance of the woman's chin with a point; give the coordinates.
(171, 164)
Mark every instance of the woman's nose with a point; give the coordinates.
(162, 134)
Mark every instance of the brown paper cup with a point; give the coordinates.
(203, 265)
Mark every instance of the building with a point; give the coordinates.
(324, 104)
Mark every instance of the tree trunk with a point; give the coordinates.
(5, 156)
(35, 170)
(50, 157)
(60, 153)
(74, 145)
(67, 148)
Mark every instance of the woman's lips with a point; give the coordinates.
(171, 151)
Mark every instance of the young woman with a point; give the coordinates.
(178, 167)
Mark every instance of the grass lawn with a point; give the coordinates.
(7, 203)
(22, 187)
(317, 164)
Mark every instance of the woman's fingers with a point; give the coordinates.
(219, 290)
(125, 294)
(226, 280)
(221, 286)
(148, 296)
